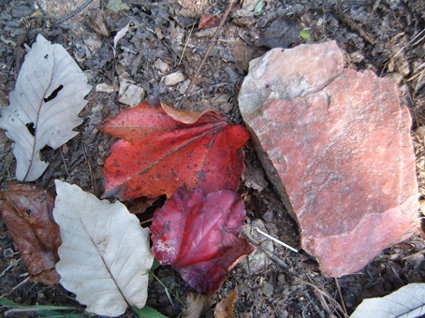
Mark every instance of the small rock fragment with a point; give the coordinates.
(22, 10)
(117, 6)
(174, 78)
(220, 99)
(395, 77)
(206, 33)
(249, 4)
(130, 94)
(226, 108)
(258, 259)
(183, 87)
(104, 88)
(160, 65)
(233, 77)
(267, 290)
(93, 43)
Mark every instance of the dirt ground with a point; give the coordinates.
(385, 36)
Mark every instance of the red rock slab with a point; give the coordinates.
(345, 157)
(289, 73)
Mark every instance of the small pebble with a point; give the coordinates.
(104, 88)
(174, 78)
(8, 252)
(227, 108)
(130, 94)
(183, 87)
(395, 77)
(268, 290)
(160, 65)
(22, 10)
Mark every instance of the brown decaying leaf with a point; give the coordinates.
(224, 308)
(97, 23)
(196, 305)
(27, 212)
(139, 205)
(208, 21)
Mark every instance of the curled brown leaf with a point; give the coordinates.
(27, 212)
(224, 308)
(196, 305)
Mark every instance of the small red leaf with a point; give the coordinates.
(208, 21)
(159, 153)
(27, 212)
(199, 236)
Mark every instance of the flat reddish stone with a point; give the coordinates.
(344, 158)
(288, 73)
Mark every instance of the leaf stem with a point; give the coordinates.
(168, 291)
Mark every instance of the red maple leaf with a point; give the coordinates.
(163, 148)
(199, 236)
(27, 212)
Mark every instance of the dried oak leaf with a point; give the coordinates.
(164, 148)
(224, 308)
(199, 236)
(27, 212)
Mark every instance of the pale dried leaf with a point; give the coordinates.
(105, 254)
(195, 305)
(48, 96)
(407, 302)
(120, 34)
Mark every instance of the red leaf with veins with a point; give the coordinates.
(164, 148)
(199, 236)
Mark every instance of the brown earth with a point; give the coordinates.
(384, 36)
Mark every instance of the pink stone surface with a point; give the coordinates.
(288, 73)
(345, 158)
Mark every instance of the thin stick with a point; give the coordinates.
(214, 40)
(64, 163)
(146, 221)
(271, 255)
(340, 295)
(313, 303)
(11, 265)
(293, 273)
(276, 240)
(16, 287)
(91, 171)
(69, 16)
(185, 44)
(417, 35)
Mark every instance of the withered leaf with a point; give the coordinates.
(27, 212)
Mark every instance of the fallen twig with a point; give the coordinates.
(292, 273)
(70, 15)
(16, 287)
(340, 295)
(207, 53)
(276, 240)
